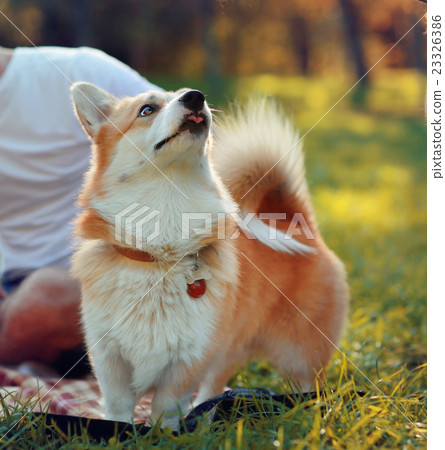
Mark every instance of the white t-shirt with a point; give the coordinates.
(43, 150)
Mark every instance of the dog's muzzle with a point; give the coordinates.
(195, 121)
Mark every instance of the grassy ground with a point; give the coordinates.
(367, 171)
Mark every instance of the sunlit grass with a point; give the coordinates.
(391, 91)
(367, 173)
(390, 414)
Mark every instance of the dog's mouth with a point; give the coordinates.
(195, 123)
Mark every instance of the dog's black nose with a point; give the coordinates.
(193, 100)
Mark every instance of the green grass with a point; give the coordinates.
(367, 171)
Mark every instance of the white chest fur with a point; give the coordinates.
(146, 315)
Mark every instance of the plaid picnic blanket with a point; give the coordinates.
(73, 402)
(75, 397)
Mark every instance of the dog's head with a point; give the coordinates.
(160, 126)
(148, 150)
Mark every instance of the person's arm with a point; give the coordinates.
(110, 74)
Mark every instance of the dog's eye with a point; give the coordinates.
(146, 110)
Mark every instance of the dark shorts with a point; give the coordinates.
(12, 280)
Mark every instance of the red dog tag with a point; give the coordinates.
(196, 289)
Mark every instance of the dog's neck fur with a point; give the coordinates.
(195, 190)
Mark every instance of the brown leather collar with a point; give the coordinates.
(136, 255)
(196, 288)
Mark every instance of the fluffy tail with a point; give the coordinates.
(259, 157)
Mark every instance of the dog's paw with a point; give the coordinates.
(170, 421)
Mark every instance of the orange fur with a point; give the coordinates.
(91, 225)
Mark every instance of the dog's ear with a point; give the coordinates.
(92, 105)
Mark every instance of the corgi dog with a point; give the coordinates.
(174, 305)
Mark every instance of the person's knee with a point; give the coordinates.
(41, 318)
(50, 283)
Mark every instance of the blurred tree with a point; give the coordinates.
(58, 25)
(352, 22)
(26, 16)
(82, 23)
(212, 60)
(215, 39)
(300, 41)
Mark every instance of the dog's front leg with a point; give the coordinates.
(114, 375)
(170, 407)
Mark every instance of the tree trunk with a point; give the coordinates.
(300, 42)
(351, 19)
(212, 60)
(82, 23)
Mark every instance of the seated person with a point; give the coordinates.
(43, 156)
